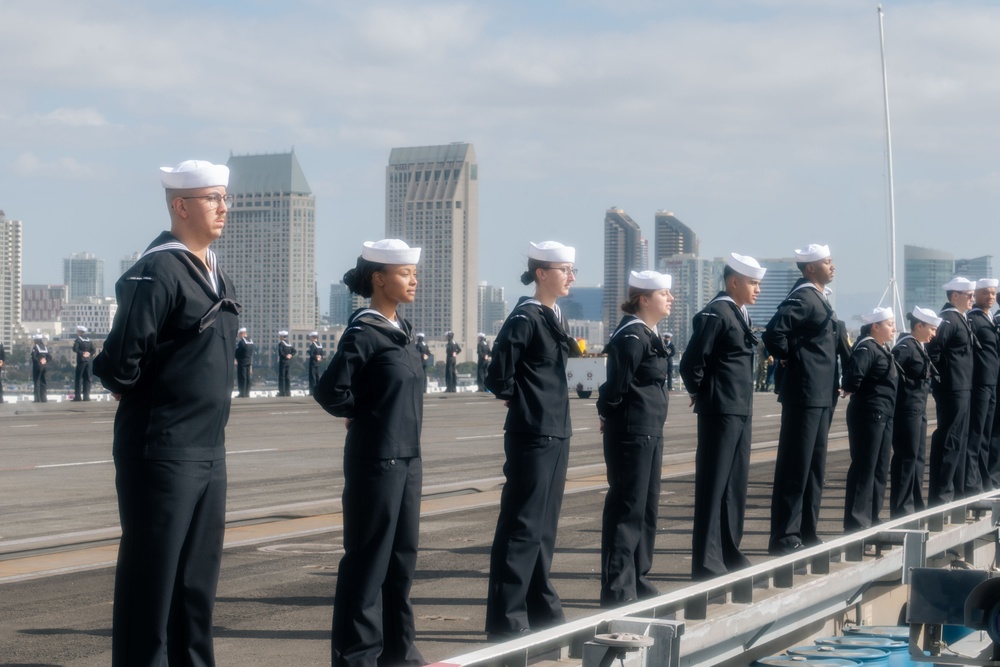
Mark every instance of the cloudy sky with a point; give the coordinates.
(757, 122)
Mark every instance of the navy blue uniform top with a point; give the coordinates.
(951, 352)
(376, 380)
(717, 366)
(81, 345)
(315, 350)
(803, 335)
(170, 356)
(633, 399)
(985, 358)
(244, 352)
(284, 348)
(528, 369)
(39, 352)
(870, 377)
(915, 375)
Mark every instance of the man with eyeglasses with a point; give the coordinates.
(951, 353)
(169, 361)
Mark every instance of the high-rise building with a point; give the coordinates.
(583, 303)
(976, 268)
(925, 270)
(492, 309)
(673, 237)
(10, 280)
(97, 314)
(83, 274)
(126, 262)
(42, 303)
(343, 303)
(622, 254)
(432, 202)
(695, 281)
(269, 245)
(782, 273)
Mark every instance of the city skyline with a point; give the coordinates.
(768, 134)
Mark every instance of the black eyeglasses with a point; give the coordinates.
(215, 199)
(565, 269)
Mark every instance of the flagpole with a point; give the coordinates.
(893, 286)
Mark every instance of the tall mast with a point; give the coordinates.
(892, 288)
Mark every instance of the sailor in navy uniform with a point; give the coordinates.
(316, 355)
(285, 354)
(632, 405)
(3, 358)
(983, 400)
(84, 349)
(451, 351)
(425, 355)
(482, 361)
(951, 353)
(802, 337)
(671, 349)
(717, 369)
(375, 382)
(244, 363)
(528, 373)
(169, 359)
(909, 420)
(870, 378)
(40, 358)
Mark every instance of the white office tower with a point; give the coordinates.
(432, 201)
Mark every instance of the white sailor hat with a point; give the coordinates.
(81, 328)
(37, 336)
(650, 280)
(551, 251)
(282, 333)
(421, 335)
(314, 334)
(983, 283)
(480, 335)
(241, 330)
(668, 335)
(390, 251)
(926, 315)
(449, 333)
(745, 266)
(959, 284)
(878, 315)
(812, 253)
(192, 174)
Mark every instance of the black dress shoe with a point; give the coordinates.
(785, 549)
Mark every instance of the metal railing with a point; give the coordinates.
(723, 618)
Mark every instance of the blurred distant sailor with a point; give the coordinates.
(425, 355)
(451, 350)
(374, 382)
(951, 353)
(40, 358)
(482, 361)
(717, 369)
(169, 359)
(671, 349)
(909, 421)
(285, 354)
(870, 378)
(316, 355)
(528, 373)
(632, 405)
(84, 349)
(244, 362)
(3, 358)
(983, 401)
(802, 337)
